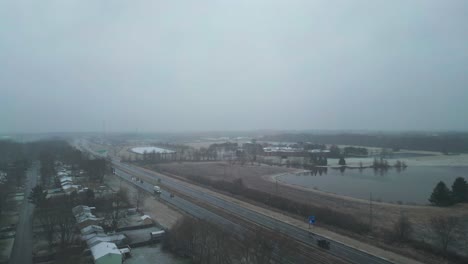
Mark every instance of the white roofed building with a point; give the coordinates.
(91, 229)
(118, 239)
(106, 253)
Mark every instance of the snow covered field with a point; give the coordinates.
(141, 150)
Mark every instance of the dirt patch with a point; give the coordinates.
(160, 212)
(153, 254)
(251, 175)
(5, 249)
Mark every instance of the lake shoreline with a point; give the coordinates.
(410, 186)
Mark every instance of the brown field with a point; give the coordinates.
(251, 175)
(160, 212)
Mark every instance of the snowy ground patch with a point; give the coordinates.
(141, 150)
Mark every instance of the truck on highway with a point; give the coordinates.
(156, 190)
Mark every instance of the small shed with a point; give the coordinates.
(106, 253)
(146, 219)
(157, 235)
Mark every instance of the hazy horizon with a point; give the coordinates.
(163, 66)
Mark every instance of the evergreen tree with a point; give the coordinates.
(342, 161)
(460, 190)
(38, 196)
(441, 196)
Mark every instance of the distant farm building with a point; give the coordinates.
(146, 219)
(293, 156)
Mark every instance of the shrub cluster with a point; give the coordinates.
(324, 215)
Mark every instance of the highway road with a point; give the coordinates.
(228, 225)
(336, 248)
(22, 247)
(188, 207)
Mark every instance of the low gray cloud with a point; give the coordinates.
(233, 65)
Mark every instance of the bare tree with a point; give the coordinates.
(119, 201)
(138, 198)
(57, 220)
(65, 224)
(211, 244)
(48, 220)
(222, 247)
(113, 207)
(444, 230)
(402, 228)
(258, 247)
(65, 218)
(180, 237)
(201, 249)
(463, 235)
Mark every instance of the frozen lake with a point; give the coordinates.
(412, 185)
(141, 150)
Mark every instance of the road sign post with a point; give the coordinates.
(311, 220)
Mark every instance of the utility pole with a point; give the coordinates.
(224, 175)
(370, 212)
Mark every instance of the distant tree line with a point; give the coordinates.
(444, 142)
(226, 146)
(318, 160)
(181, 154)
(355, 152)
(247, 153)
(336, 152)
(327, 216)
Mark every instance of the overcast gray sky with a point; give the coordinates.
(233, 65)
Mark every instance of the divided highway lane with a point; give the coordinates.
(336, 248)
(188, 207)
(202, 213)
